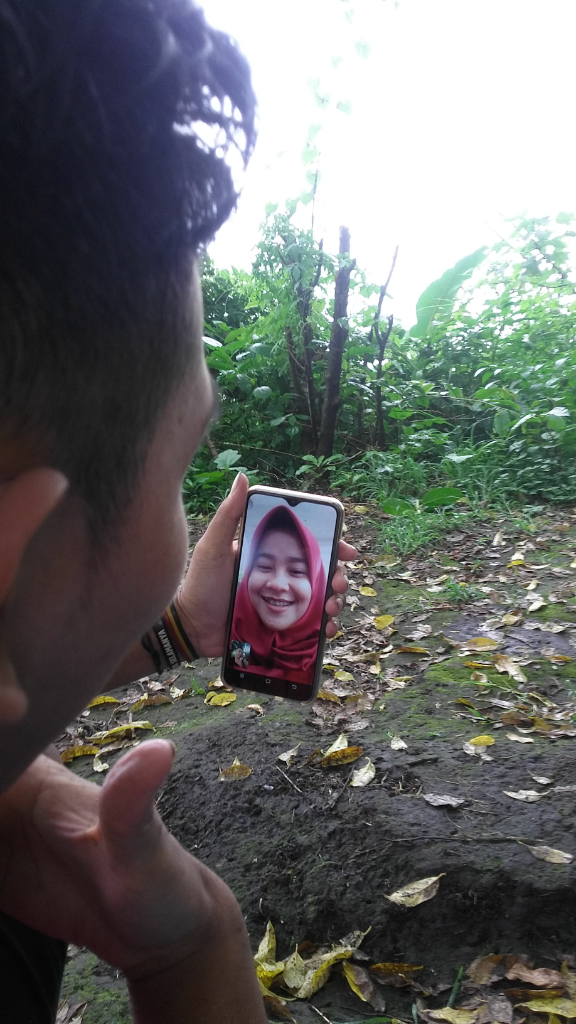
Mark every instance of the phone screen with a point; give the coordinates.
(277, 618)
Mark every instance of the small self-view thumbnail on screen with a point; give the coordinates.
(284, 567)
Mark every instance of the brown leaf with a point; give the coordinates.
(415, 893)
(235, 772)
(485, 970)
(542, 977)
(361, 983)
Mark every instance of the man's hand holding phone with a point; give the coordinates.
(204, 597)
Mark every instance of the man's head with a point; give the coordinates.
(115, 122)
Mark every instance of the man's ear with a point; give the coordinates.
(25, 502)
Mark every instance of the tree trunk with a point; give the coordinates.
(304, 303)
(338, 335)
(379, 435)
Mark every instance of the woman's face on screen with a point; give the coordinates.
(279, 584)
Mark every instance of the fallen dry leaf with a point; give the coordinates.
(219, 700)
(368, 592)
(382, 621)
(436, 800)
(289, 755)
(482, 741)
(363, 776)
(479, 643)
(392, 971)
(274, 1003)
(317, 976)
(542, 977)
(529, 796)
(397, 743)
(254, 707)
(294, 972)
(345, 756)
(453, 1016)
(119, 732)
(413, 649)
(266, 952)
(549, 854)
(559, 1007)
(340, 743)
(83, 750)
(235, 772)
(503, 663)
(344, 677)
(99, 765)
(537, 604)
(485, 970)
(362, 985)
(144, 702)
(542, 780)
(102, 699)
(416, 892)
(519, 739)
(327, 695)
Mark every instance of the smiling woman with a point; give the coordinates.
(280, 601)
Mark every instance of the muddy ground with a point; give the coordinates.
(299, 846)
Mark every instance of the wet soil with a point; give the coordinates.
(299, 846)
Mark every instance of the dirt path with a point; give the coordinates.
(300, 846)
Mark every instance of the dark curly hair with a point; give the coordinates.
(117, 119)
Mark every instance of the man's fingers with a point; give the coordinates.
(222, 529)
(347, 552)
(128, 794)
(339, 580)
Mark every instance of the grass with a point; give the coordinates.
(406, 533)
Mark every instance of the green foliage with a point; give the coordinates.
(479, 396)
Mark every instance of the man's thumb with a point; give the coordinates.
(127, 801)
(223, 527)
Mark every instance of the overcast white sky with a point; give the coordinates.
(463, 113)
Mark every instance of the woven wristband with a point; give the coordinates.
(180, 641)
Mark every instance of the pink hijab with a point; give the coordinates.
(291, 650)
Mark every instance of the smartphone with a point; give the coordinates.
(287, 555)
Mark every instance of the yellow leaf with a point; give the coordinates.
(318, 976)
(519, 739)
(160, 698)
(416, 892)
(532, 585)
(549, 854)
(368, 592)
(375, 669)
(345, 756)
(254, 707)
(538, 603)
(511, 618)
(381, 621)
(479, 643)
(344, 677)
(103, 699)
(326, 695)
(413, 649)
(392, 969)
(560, 1007)
(467, 703)
(397, 743)
(79, 751)
(477, 664)
(119, 732)
(340, 743)
(289, 755)
(267, 972)
(447, 1013)
(363, 776)
(559, 659)
(479, 677)
(178, 694)
(498, 540)
(482, 741)
(266, 952)
(294, 972)
(235, 772)
(361, 509)
(220, 700)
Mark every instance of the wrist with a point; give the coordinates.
(188, 624)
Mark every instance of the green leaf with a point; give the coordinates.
(400, 414)
(523, 419)
(438, 497)
(459, 458)
(397, 507)
(227, 459)
(559, 410)
(437, 301)
(262, 392)
(502, 421)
